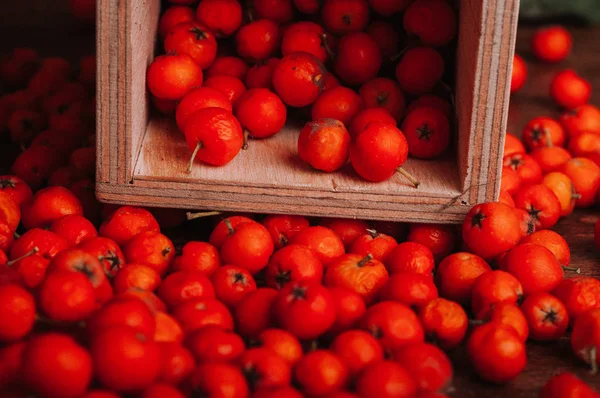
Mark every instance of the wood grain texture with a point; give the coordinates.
(269, 176)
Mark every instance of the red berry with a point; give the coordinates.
(433, 21)
(358, 59)
(419, 70)
(551, 44)
(299, 79)
(261, 112)
(324, 144)
(170, 77)
(569, 90)
(193, 39)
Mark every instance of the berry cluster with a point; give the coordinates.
(230, 72)
(100, 301)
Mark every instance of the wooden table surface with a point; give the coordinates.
(544, 360)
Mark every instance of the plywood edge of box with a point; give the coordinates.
(126, 175)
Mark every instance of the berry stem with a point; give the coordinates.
(593, 353)
(245, 142)
(409, 177)
(476, 322)
(325, 44)
(29, 253)
(374, 234)
(549, 143)
(396, 57)
(191, 164)
(365, 260)
(201, 214)
(229, 226)
(576, 196)
(571, 269)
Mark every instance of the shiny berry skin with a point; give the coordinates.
(299, 79)
(339, 103)
(378, 151)
(217, 133)
(223, 17)
(293, 263)
(547, 316)
(210, 379)
(107, 251)
(384, 93)
(429, 365)
(151, 248)
(124, 311)
(323, 241)
(583, 119)
(551, 158)
(349, 308)
(126, 222)
(320, 373)
(263, 368)
(17, 312)
(419, 70)
(386, 379)
(410, 257)
(541, 203)
(362, 274)
(444, 321)
(297, 302)
(378, 245)
(170, 77)
(585, 335)
(49, 204)
(283, 227)
(16, 188)
(585, 175)
(579, 294)
(261, 74)
(177, 362)
(540, 130)
(344, 16)
(200, 98)
(261, 112)
(232, 284)
(136, 276)
(358, 59)
(184, 286)
(432, 21)
(569, 90)
(519, 74)
(497, 353)
(566, 384)
(308, 6)
(427, 131)
(296, 40)
(393, 324)
(490, 229)
(67, 296)
(358, 349)
(193, 39)
(228, 66)
(525, 166)
(553, 242)
(55, 365)
(494, 287)
(213, 344)
(74, 228)
(324, 144)
(173, 16)
(231, 87)
(457, 273)
(409, 288)
(551, 44)
(366, 116)
(248, 246)
(198, 313)
(258, 40)
(254, 313)
(197, 256)
(124, 359)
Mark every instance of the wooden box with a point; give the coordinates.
(142, 159)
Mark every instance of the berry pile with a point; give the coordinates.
(98, 301)
(230, 72)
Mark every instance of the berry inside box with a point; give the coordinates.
(439, 69)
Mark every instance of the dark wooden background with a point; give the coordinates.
(42, 24)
